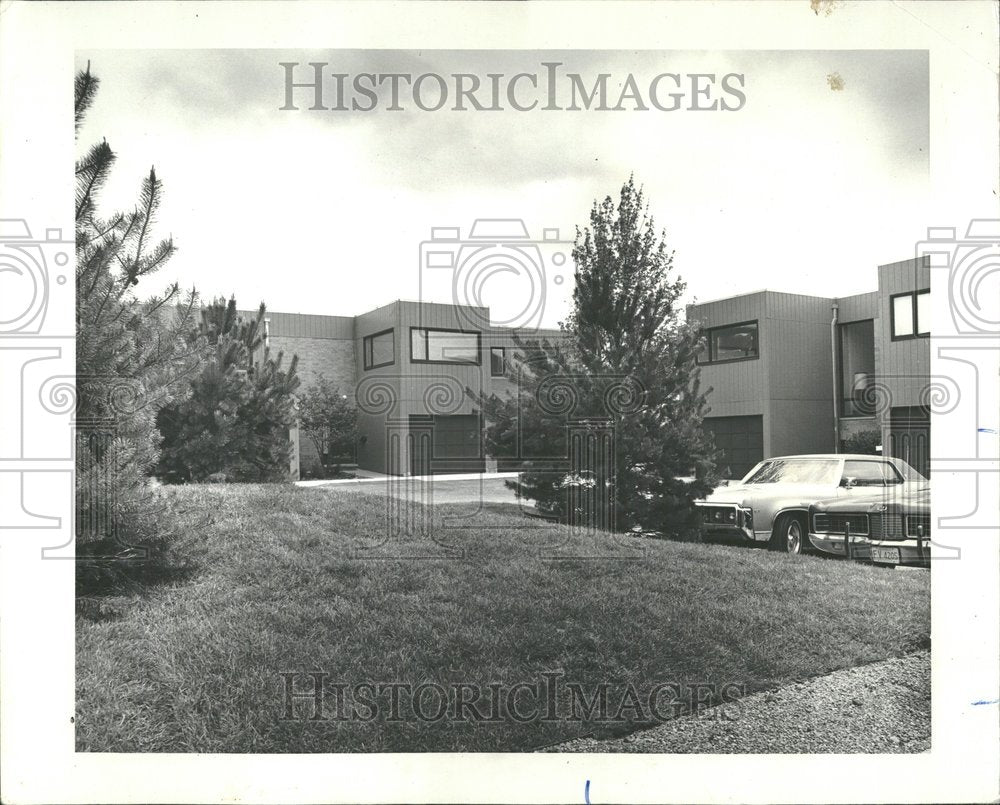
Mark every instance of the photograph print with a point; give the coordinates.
(503, 401)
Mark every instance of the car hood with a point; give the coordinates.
(749, 494)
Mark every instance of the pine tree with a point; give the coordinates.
(133, 357)
(236, 419)
(626, 366)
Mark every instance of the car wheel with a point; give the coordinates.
(789, 534)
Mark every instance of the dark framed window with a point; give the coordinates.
(732, 342)
(910, 314)
(444, 346)
(379, 349)
(498, 361)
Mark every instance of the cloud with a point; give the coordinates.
(803, 189)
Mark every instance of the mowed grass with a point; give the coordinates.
(196, 665)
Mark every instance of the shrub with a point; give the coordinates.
(236, 419)
(864, 442)
(330, 421)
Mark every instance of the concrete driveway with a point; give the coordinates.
(487, 488)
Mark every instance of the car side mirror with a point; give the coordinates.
(848, 483)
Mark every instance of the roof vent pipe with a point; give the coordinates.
(836, 396)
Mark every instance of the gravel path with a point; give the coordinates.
(883, 707)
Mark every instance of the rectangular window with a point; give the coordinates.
(734, 342)
(871, 473)
(498, 362)
(379, 349)
(910, 314)
(902, 316)
(443, 346)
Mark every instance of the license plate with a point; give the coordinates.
(887, 555)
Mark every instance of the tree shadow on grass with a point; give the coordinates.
(108, 584)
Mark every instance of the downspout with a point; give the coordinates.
(836, 396)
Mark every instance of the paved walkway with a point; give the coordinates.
(367, 477)
(469, 488)
(880, 708)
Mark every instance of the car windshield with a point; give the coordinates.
(795, 471)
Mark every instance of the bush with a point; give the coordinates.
(330, 421)
(235, 421)
(864, 442)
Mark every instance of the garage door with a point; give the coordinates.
(741, 440)
(455, 445)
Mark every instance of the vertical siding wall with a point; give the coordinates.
(376, 385)
(791, 384)
(903, 366)
(739, 388)
(800, 374)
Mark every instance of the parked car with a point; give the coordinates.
(771, 504)
(847, 527)
(901, 534)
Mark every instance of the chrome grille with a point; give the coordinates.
(887, 526)
(838, 523)
(915, 520)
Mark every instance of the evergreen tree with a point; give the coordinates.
(236, 419)
(133, 357)
(626, 369)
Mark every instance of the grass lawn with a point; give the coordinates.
(196, 665)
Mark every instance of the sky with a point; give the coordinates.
(819, 177)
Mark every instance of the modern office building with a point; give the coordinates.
(789, 374)
(797, 374)
(408, 366)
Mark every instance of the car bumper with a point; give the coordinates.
(834, 545)
(901, 552)
(729, 520)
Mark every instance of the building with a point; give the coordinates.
(794, 374)
(408, 365)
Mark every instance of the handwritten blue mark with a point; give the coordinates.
(987, 430)
(586, 792)
(981, 701)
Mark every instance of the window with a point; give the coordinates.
(380, 349)
(443, 346)
(734, 342)
(871, 473)
(795, 471)
(498, 362)
(910, 314)
(924, 313)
